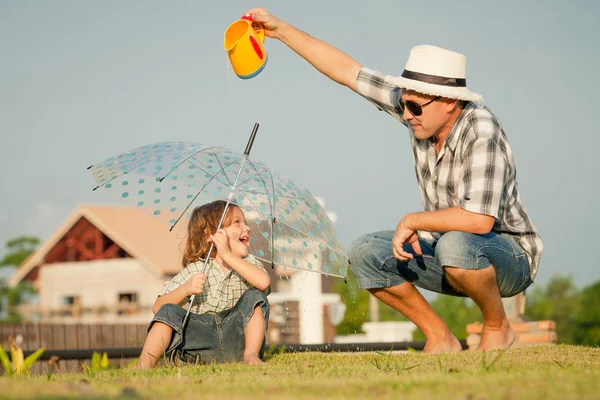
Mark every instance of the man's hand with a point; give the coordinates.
(269, 22)
(405, 234)
(196, 284)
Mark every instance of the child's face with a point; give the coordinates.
(238, 232)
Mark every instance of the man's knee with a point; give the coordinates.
(358, 251)
(456, 249)
(451, 242)
(457, 272)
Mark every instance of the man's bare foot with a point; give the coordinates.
(448, 344)
(252, 359)
(497, 339)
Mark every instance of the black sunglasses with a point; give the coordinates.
(414, 108)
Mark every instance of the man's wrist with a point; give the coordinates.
(410, 221)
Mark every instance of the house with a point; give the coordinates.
(106, 264)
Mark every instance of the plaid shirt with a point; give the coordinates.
(221, 291)
(474, 168)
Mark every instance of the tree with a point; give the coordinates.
(17, 251)
(559, 301)
(357, 305)
(587, 323)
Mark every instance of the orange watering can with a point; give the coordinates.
(245, 48)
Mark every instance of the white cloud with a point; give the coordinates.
(45, 209)
(42, 220)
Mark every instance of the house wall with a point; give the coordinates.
(97, 284)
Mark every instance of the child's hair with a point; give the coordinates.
(203, 223)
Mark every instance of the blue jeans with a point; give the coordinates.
(212, 338)
(374, 265)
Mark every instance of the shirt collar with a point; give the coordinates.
(454, 134)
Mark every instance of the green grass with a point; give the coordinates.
(545, 372)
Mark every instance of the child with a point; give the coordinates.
(230, 312)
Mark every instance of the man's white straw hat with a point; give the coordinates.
(438, 72)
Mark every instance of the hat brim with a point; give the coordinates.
(451, 92)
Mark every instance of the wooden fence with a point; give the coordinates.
(73, 337)
(92, 337)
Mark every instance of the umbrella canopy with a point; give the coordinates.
(289, 228)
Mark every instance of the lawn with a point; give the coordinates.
(545, 372)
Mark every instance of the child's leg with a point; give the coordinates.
(255, 333)
(156, 343)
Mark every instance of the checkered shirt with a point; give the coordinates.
(221, 291)
(475, 168)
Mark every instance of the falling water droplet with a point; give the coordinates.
(228, 96)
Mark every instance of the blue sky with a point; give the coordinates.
(82, 81)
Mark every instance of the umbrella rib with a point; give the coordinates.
(257, 173)
(223, 169)
(273, 208)
(153, 158)
(214, 175)
(192, 202)
(262, 180)
(186, 159)
(120, 172)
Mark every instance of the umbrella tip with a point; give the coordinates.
(95, 188)
(90, 167)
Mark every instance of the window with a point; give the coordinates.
(70, 300)
(71, 306)
(128, 304)
(128, 297)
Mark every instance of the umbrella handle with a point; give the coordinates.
(212, 244)
(192, 297)
(187, 314)
(251, 140)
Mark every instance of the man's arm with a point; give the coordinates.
(330, 61)
(449, 219)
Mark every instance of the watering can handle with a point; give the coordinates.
(261, 32)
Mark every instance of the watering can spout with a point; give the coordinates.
(244, 46)
(229, 46)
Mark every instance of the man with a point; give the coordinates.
(474, 238)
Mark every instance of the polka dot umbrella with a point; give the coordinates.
(289, 228)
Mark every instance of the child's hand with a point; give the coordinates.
(221, 241)
(196, 284)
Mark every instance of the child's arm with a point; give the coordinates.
(254, 275)
(194, 285)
